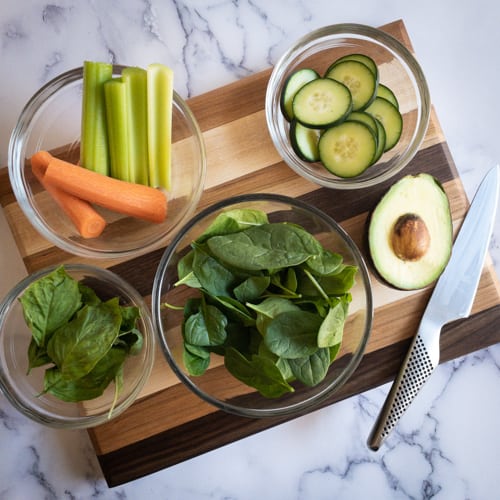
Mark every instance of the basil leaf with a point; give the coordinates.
(77, 346)
(196, 359)
(311, 370)
(258, 372)
(37, 356)
(88, 295)
(293, 334)
(49, 303)
(269, 246)
(91, 385)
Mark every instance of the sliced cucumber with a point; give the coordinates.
(304, 141)
(387, 93)
(363, 58)
(363, 117)
(359, 79)
(348, 149)
(381, 138)
(323, 102)
(391, 119)
(292, 84)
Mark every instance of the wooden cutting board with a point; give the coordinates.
(166, 426)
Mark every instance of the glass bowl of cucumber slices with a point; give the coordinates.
(77, 346)
(96, 117)
(262, 305)
(347, 106)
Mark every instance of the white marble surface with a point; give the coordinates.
(446, 445)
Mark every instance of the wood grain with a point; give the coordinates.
(168, 424)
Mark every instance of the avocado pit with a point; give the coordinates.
(410, 237)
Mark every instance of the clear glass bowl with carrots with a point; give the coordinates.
(93, 215)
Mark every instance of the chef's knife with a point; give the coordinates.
(451, 299)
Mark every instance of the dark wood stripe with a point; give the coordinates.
(217, 429)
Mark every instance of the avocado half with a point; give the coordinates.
(410, 233)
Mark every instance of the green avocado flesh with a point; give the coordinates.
(410, 233)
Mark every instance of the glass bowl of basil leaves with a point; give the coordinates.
(76, 346)
(263, 305)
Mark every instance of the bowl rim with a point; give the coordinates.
(18, 182)
(382, 39)
(80, 422)
(296, 408)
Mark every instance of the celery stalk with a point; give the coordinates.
(160, 95)
(116, 114)
(136, 95)
(94, 153)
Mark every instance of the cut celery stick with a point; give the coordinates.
(116, 114)
(94, 153)
(137, 116)
(160, 95)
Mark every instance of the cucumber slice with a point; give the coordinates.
(391, 119)
(322, 103)
(362, 58)
(359, 79)
(304, 141)
(292, 84)
(381, 138)
(348, 149)
(369, 120)
(387, 93)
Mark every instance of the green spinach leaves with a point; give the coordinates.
(272, 301)
(83, 340)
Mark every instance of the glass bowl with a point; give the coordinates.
(23, 390)
(217, 386)
(398, 70)
(51, 121)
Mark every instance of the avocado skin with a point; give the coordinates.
(366, 238)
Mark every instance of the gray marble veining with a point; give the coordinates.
(446, 445)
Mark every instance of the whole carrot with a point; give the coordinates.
(87, 221)
(131, 199)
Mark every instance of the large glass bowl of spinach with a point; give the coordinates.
(76, 346)
(263, 305)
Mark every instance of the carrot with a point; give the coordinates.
(86, 220)
(135, 200)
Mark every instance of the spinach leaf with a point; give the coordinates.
(311, 370)
(332, 328)
(258, 372)
(325, 263)
(233, 221)
(235, 310)
(77, 346)
(269, 246)
(252, 288)
(206, 327)
(216, 279)
(91, 385)
(268, 309)
(293, 334)
(49, 303)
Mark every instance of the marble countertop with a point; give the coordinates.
(446, 445)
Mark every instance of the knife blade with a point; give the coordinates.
(451, 299)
